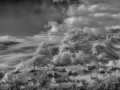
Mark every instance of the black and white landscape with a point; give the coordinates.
(59, 44)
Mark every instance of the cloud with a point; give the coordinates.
(97, 15)
(94, 14)
(53, 26)
(81, 22)
(73, 20)
(106, 15)
(78, 10)
(117, 16)
(39, 37)
(10, 38)
(113, 27)
(94, 31)
(86, 9)
(45, 38)
(98, 7)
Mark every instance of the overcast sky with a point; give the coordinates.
(21, 19)
(26, 17)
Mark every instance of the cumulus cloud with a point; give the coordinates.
(54, 26)
(57, 29)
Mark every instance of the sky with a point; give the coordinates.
(97, 15)
(24, 18)
(21, 18)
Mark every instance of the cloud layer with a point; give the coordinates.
(10, 38)
(94, 14)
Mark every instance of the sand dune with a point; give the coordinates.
(15, 54)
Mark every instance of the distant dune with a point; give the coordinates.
(13, 53)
